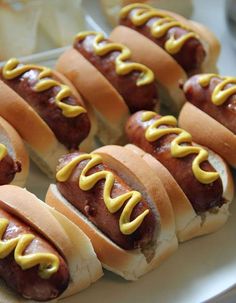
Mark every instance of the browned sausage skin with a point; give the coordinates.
(27, 282)
(202, 196)
(8, 169)
(91, 204)
(137, 97)
(190, 56)
(202, 96)
(70, 131)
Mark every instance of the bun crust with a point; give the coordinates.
(167, 72)
(15, 146)
(71, 242)
(222, 141)
(128, 264)
(98, 92)
(188, 223)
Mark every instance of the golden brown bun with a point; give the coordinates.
(128, 264)
(167, 71)
(16, 149)
(188, 223)
(217, 137)
(111, 8)
(109, 106)
(41, 142)
(70, 241)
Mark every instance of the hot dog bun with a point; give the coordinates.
(218, 137)
(16, 149)
(189, 224)
(70, 241)
(43, 146)
(129, 264)
(109, 106)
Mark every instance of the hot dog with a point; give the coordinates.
(47, 102)
(115, 205)
(39, 251)
(211, 105)
(119, 82)
(14, 160)
(170, 45)
(187, 163)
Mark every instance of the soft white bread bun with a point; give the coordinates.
(188, 223)
(136, 173)
(43, 146)
(167, 71)
(70, 241)
(111, 8)
(110, 108)
(16, 149)
(209, 132)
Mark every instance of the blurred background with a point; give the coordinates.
(34, 26)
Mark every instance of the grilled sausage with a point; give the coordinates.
(137, 97)
(27, 282)
(190, 56)
(91, 204)
(69, 131)
(202, 196)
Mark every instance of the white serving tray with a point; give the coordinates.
(201, 269)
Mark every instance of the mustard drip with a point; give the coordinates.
(153, 133)
(160, 27)
(86, 183)
(12, 70)
(219, 94)
(3, 151)
(122, 67)
(48, 263)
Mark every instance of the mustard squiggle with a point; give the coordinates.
(219, 94)
(160, 27)
(154, 132)
(3, 151)
(86, 183)
(12, 69)
(122, 67)
(48, 263)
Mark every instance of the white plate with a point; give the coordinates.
(202, 268)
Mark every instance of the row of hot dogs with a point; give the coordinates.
(134, 202)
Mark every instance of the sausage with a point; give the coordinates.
(27, 282)
(91, 204)
(190, 56)
(202, 196)
(69, 131)
(201, 97)
(8, 169)
(136, 97)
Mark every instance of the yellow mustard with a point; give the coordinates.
(154, 132)
(86, 183)
(122, 66)
(3, 151)
(159, 27)
(48, 263)
(219, 94)
(13, 69)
